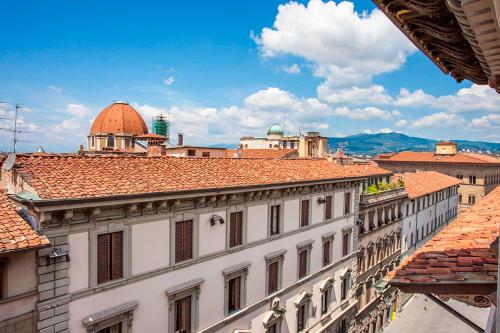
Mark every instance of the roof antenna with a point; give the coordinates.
(284, 123)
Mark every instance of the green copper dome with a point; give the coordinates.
(275, 130)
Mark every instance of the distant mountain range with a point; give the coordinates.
(371, 144)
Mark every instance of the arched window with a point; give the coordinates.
(110, 141)
(472, 199)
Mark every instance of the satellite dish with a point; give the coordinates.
(9, 162)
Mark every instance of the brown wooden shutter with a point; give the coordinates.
(188, 239)
(103, 256)
(347, 202)
(345, 244)
(305, 213)
(179, 246)
(117, 255)
(328, 207)
(236, 229)
(302, 263)
(273, 277)
(326, 253)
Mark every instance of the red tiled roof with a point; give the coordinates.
(462, 253)
(431, 157)
(422, 183)
(58, 177)
(262, 153)
(15, 232)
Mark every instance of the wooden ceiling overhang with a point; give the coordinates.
(462, 37)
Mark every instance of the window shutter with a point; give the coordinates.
(273, 277)
(305, 213)
(328, 207)
(117, 255)
(232, 230)
(345, 244)
(326, 253)
(236, 229)
(103, 255)
(302, 263)
(188, 240)
(179, 242)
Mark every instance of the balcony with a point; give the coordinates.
(369, 199)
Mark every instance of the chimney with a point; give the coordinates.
(180, 139)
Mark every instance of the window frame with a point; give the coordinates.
(93, 262)
(305, 301)
(326, 289)
(195, 233)
(330, 211)
(309, 212)
(232, 210)
(348, 203)
(229, 274)
(191, 288)
(307, 247)
(281, 211)
(279, 258)
(347, 232)
(329, 237)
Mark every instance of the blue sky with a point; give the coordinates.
(223, 69)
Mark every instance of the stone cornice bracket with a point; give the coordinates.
(149, 208)
(201, 201)
(177, 204)
(164, 206)
(44, 218)
(132, 209)
(250, 196)
(94, 213)
(68, 216)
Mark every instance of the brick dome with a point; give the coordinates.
(119, 118)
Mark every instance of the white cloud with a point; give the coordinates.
(344, 46)
(169, 80)
(439, 119)
(363, 113)
(401, 123)
(78, 110)
(487, 121)
(270, 98)
(374, 94)
(55, 89)
(292, 69)
(66, 125)
(381, 130)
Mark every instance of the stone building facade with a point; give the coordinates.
(479, 173)
(211, 257)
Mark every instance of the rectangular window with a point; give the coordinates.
(304, 213)
(234, 295)
(344, 288)
(328, 207)
(303, 263)
(325, 300)
(327, 250)
(183, 240)
(345, 244)
(205, 154)
(347, 203)
(183, 315)
(114, 328)
(301, 317)
(236, 229)
(275, 220)
(109, 256)
(191, 152)
(273, 275)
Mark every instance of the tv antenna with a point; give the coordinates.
(14, 131)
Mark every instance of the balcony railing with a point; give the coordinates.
(371, 198)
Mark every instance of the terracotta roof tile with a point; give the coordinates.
(15, 232)
(412, 156)
(462, 251)
(65, 176)
(422, 183)
(262, 153)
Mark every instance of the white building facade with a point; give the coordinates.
(269, 259)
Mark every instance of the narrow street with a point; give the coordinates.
(415, 319)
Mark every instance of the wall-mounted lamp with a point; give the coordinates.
(57, 253)
(216, 218)
(321, 200)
